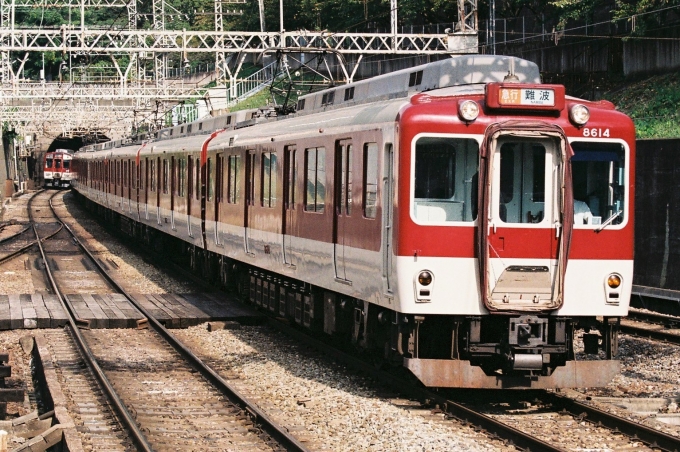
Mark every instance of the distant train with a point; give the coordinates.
(458, 217)
(57, 171)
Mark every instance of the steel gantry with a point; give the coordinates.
(139, 46)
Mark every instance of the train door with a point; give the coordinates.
(342, 200)
(524, 230)
(250, 197)
(387, 212)
(289, 198)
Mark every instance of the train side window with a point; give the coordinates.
(234, 179)
(190, 177)
(133, 173)
(250, 169)
(290, 177)
(444, 171)
(268, 178)
(209, 181)
(315, 179)
(174, 170)
(182, 177)
(125, 174)
(152, 172)
(165, 175)
(370, 180)
(198, 178)
(599, 182)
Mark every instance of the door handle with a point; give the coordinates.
(558, 227)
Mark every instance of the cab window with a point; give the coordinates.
(445, 179)
(598, 173)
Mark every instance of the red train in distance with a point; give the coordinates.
(57, 170)
(459, 218)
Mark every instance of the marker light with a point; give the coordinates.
(425, 278)
(579, 114)
(614, 281)
(468, 110)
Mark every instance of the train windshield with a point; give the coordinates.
(67, 164)
(598, 171)
(445, 179)
(48, 162)
(522, 182)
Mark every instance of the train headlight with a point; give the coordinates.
(579, 114)
(425, 278)
(468, 110)
(614, 281)
(423, 284)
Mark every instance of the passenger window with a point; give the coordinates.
(209, 182)
(445, 179)
(370, 194)
(234, 179)
(250, 191)
(182, 177)
(290, 170)
(598, 174)
(268, 179)
(165, 175)
(198, 178)
(315, 179)
(152, 171)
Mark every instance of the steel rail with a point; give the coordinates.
(136, 434)
(25, 248)
(669, 321)
(258, 416)
(650, 436)
(657, 335)
(13, 236)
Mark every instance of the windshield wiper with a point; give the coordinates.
(609, 221)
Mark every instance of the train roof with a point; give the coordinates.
(454, 71)
(457, 71)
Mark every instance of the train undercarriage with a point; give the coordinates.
(495, 351)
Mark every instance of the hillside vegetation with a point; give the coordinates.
(653, 105)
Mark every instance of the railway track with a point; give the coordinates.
(651, 325)
(528, 429)
(143, 383)
(17, 237)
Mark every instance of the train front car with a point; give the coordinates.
(57, 171)
(515, 233)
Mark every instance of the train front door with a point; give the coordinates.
(342, 204)
(525, 211)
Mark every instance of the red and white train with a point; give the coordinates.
(57, 171)
(459, 217)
